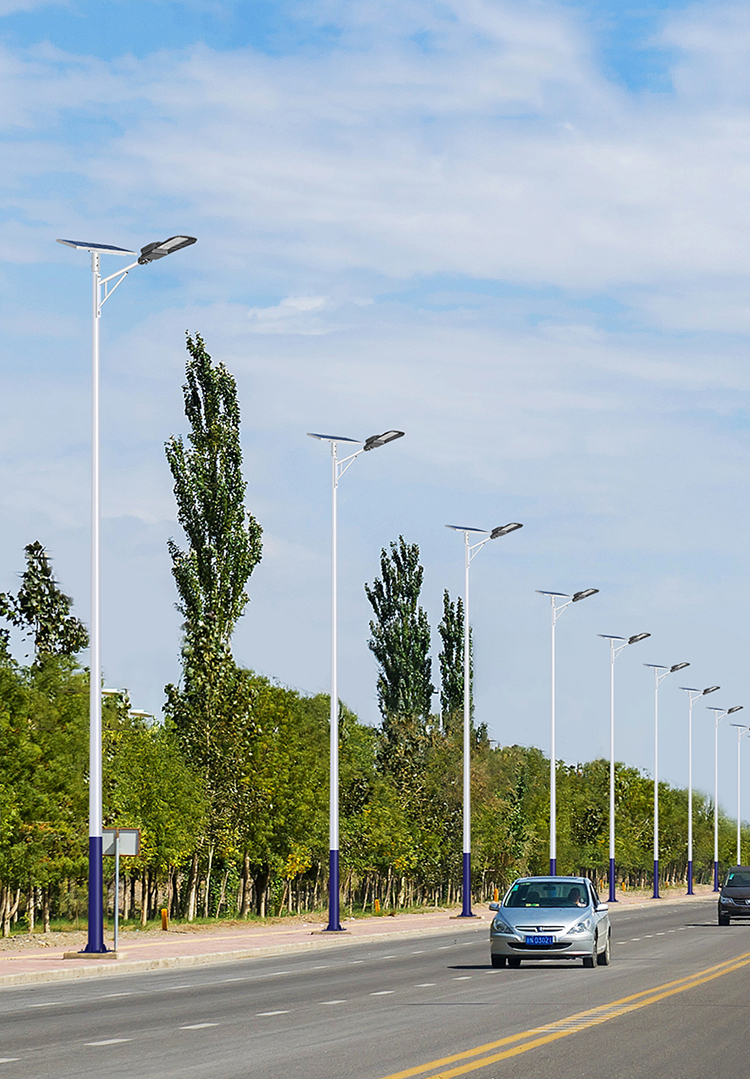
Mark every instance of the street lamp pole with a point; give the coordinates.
(741, 732)
(470, 552)
(719, 714)
(338, 468)
(556, 612)
(693, 695)
(660, 673)
(102, 289)
(614, 650)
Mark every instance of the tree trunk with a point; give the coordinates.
(207, 897)
(31, 909)
(144, 898)
(45, 908)
(245, 907)
(192, 888)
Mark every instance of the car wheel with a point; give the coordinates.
(514, 961)
(497, 960)
(604, 958)
(589, 961)
(723, 919)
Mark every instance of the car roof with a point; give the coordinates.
(551, 880)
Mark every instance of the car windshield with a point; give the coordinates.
(738, 880)
(546, 894)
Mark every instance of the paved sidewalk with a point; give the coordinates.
(192, 945)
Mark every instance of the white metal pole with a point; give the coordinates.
(739, 817)
(95, 942)
(333, 889)
(466, 897)
(612, 898)
(716, 801)
(656, 784)
(553, 765)
(690, 795)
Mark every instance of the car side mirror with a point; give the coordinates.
(494, 906)
(602, 908)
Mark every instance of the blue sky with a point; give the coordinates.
(518, 231)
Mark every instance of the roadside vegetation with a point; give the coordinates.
(230, 789)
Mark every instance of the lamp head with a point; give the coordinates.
(710, 689)
(503, 530)
(737, 708)
(584, 594)
(374, 441)
(638, 637)
(161, 248)
(678, 667)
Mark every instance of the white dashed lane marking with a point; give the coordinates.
(9, 1060)
(463, 978)
(109, 1041)
(273, 1013)
(46, 1004)
(383, 993)
(333, 1002)
(424, 985)
(198, 1026)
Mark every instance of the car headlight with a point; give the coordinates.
(725, 899)
(582, 927)
(499, 925)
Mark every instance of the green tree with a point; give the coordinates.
(224, 540)
(41, 610)
(401, 634)
(451, 659)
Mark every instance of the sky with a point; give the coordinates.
(517, 231)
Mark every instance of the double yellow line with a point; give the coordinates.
(515, 1044)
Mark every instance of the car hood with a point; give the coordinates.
(736, 893)
(543, 919)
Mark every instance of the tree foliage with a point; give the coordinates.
(400, 631)
(451, 659)
(41, 610)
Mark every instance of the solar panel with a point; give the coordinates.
(85, 246)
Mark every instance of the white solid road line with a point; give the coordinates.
(109, 1041)
(198, 1026)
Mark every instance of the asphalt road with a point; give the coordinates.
(428, 1006)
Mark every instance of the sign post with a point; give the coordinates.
(120, 841)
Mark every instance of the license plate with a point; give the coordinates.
(540, 940)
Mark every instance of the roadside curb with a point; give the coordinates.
(132, 966)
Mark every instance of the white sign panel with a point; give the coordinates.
(129, 842)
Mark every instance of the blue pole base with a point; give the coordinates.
(334, 925)
(553, 867)
(466, 911)
(656, 880)
(690, 879)
(95, 940)
(716, 876)
(612, 898)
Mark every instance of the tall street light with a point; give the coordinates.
(660, 673)
(338, 468)
(102, 289)
(556, 612)
(741, 732)
(719, 714)
(614, 650)
(693, 695)
(470, 552)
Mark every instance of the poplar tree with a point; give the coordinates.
(212, 709)
(41, 610)
(451, 660)
(400, 631)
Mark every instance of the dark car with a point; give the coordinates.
(734, 901)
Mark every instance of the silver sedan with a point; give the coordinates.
(550, 918)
